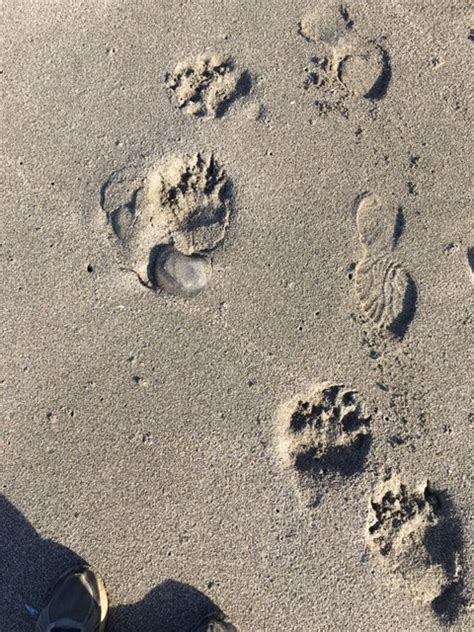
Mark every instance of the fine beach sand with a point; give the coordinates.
(237, 306)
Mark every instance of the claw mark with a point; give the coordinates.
(162, 216)
(414, 539)
(346, 66)
(207, 85)
(324, 432)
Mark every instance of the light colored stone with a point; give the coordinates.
(180, 274)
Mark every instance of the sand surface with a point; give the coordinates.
(264, 443)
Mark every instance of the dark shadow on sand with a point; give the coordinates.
(399, 227)
(444, 543)
(380, 87)
(470, 258)
(401, 323)
(30, 565)
(343, 460)
(242, 89)
(170, 607)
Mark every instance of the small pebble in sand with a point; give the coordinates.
(180, 274)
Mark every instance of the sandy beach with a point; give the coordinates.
(237, 311)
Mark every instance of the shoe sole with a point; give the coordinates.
(103, 599)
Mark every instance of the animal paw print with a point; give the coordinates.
(386, 292)
(347, 66)
(206, 86)
(167, 218)
(415, 543)
(324, 432)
